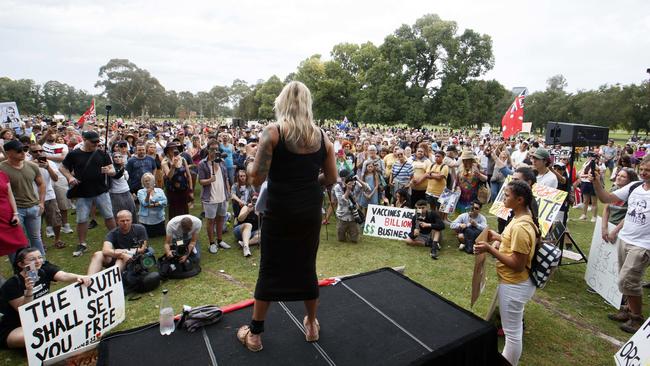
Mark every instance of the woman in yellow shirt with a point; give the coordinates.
(514, 252)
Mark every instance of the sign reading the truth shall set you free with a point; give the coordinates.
(388, 222)
(73, 317)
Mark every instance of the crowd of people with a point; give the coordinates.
(140, 178)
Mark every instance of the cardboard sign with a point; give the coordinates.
(549, 201)
(526, 127)
(480, 275)
(602, 266)
(9, 116)
(636, 352)
(388, 222)
(485, 130)
(448, 200)
(73, 317)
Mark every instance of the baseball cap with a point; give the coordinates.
(14, 145)
(90, 135)
(242, 142)
(541, 154)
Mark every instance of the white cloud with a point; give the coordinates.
(193, 45)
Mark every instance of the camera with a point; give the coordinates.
(141, 262)
(351, 178)
(180, 248)
(219, 157)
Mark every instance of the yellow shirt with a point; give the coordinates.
(518, 236)
(389, 160)
(420, 168)
(436, 186)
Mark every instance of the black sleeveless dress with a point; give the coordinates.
(291, 226)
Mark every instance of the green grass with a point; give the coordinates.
(548, 340)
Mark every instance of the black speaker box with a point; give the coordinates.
(572, 134)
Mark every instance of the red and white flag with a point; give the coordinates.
(89, 115)
(512, 120)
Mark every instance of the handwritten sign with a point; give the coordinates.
(388, 222)
(602, 267)
(549, 201)
(448, 200)
(636, 352)
(73, 317)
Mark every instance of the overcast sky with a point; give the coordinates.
(194, 45)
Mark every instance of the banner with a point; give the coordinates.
(549, 201)
(602, 266)
(388, 222)
(73, 317)
(512, 120)
(89, 115)
(448, 200)
(9, 116)
(636, 351)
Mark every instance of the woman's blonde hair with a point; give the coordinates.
(293, 112)
(147, 177)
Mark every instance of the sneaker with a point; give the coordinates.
(66, 229)
(241, 243)
(461, 247)
(589, 208)
(214, 248)
(438, 245)
(582, 217)
(633, 324)
(579, 206)
(247, 251)
(224, 245)
(593, 219)
(49, 232)
(621, 316)
(81, 249)
(92, 224)
(434, 252)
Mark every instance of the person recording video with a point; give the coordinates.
(121, 244)
(182, 238)
(346, 191)
(425, 228)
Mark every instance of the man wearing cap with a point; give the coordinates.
(541, 161)
(31, 204)
(87, 170)
(239, 156)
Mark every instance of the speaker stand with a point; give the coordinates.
(561, 241)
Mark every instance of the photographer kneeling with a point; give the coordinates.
(347, 209)
(121, 244)
(425, 228)
(182, 250)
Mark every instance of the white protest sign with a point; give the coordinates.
(602, 267)
(636, 352)
(388, 222)
(485, 130)
(72, 317)
(526, 127)
(9, 116)
(448, 200)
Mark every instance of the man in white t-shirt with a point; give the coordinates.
(518, 156)
(541, 161)
(183, 230)
(633, 243)
(213, 178)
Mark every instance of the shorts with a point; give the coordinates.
(212, 210)
(433, 202)
(237, 232)
(587, 188)
(102, 203)
(52, 213)
(635, 261)
(351, 228)
(62, 201)
(6, 328)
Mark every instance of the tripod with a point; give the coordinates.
(565, 233)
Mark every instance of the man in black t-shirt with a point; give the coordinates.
(426, 226)
(120, 245)
(87, 170)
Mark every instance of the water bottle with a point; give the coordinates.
(167, 325)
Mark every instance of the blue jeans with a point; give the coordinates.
(31, 222)
(495, 187)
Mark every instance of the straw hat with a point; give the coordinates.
(467, 155)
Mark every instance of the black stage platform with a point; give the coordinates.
(375, 318)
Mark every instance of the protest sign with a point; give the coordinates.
(388, 222)
(636, 351)
(497, 208)
(485, 130)
(9, 116)
(549, 201)
(480, 275)
(73, 317)
(602, 266)
(448, 200)
(526, 127)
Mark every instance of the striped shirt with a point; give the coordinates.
(402, 172)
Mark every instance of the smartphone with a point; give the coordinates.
(42, 159)
(32, 272)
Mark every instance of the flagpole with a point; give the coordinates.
(108, 112)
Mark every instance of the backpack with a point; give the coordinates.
(545, 260)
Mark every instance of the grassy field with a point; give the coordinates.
(562, 321)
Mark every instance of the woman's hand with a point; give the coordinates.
(493, 236)
(84, 280)
(481, 247)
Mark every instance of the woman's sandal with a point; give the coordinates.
(59, 244)
(242, 335)
(312, 337)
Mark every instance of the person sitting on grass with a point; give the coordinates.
(247, 230)
(468, 226)
(425, 228)
(120, 245)
(22, 289)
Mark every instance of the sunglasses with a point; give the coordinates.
(36, 151)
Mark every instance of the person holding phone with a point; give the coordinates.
(31, 281)
(12, 236)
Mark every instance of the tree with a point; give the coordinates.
(265, 97)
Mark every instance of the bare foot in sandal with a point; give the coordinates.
(311, 330)
(251, 341)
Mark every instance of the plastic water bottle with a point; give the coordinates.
(167, 325)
